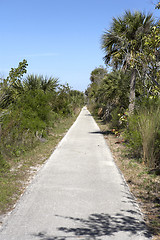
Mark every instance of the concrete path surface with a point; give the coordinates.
(78, 194)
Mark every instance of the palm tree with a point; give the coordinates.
(49, 84)
(124, 41)
(36, 82)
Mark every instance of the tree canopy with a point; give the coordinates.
(124, 42)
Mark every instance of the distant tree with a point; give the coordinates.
(113, 90)
(98, 74)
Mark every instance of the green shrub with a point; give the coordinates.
(149, 127)
(133, 136)
(143, 134)
(25, 122)
(14, 137)
(4, 166)
(118, 118)
(115, 118)
(29, 107)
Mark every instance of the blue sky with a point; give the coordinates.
(59, 38)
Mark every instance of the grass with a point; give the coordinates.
(149, 126)
(144, 185)
(13, 181)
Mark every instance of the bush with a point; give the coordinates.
(14, 137)
(115, 118)
(35, 108)
(119, 118)
(149, 127)
(143, 135)
(4, 166)
(30, 106)
(25, 121)
(133, 136)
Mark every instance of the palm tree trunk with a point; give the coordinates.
(132, 92)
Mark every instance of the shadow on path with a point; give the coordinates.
(102, 132)
(99, 225)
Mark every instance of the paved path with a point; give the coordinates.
(78, 194)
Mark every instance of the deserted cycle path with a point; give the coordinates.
(78, 194)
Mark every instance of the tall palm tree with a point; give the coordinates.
(122, 43)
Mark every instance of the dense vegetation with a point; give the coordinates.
(29, 107)
(128, 95)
